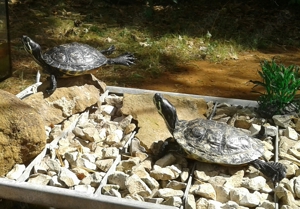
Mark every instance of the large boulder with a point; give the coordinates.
(72, 96)
(22, 132)
(151, 125)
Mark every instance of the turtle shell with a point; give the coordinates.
(215, 142)
(73, 59)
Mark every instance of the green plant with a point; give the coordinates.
(280, 84)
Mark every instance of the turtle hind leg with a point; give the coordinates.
(53, 84)
(124, 59)
(275, 171)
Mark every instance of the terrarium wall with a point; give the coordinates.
(5, 63)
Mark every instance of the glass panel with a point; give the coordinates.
(5, 64)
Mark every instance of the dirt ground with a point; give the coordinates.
(229, 78)
(226, 79)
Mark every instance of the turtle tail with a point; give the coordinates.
(275, 171)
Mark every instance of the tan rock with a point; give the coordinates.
(83, 92)
(152, 126)
(22, 132)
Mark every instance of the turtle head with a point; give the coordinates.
(29, 45)
(166, 110)
(33, 48)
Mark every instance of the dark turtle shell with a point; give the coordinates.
(215, 142)
(74, 59)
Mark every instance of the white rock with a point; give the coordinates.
(235, 180)
(206, 190)
(176, 169)
(40, 168)
(254, 128)
(91, 134)
(291, 133)
(162, 173)
(270, 130)
(213, 204)
(201, 175)
(290, 167)
(222, 193)
(202, 203)
(166, 160)
(294, 152)
(16, 172)
(104, 164)
(89, 157)
(114, 137)
(71, 157)
(84, 163)
(151, 182)
(97, 178)
(243, 197)
(80, 172)
(285, 196)
(190, 202)
(268, 154)
(176, 185)
(231, 205)
(268, 146)
(102, 134)
(282, 120)
(267, 205)
(68, 177)
(256, 183)
(167, 192)
(297, 186)
(111, 190)
(135, 197)
(41, 179)
(136, 186)
(55, 182)
(154, 200)
(118, 178)
(84, 188)
(124, 121)
(126, 165)
(184, 174)
(173, 201)
(53, 165)
(78, 132)
(130, 128)
(108, 110)
(110, 152)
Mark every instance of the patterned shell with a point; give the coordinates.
(74, 58)
(211, 141)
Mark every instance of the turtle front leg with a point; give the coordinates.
(125, 59)
(275, 171)
(109, 51)
(53, 84)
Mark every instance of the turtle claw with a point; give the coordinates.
(274, 170)
(126, 59)
(53, 84)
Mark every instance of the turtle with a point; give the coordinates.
(215, 142)
(72, 59)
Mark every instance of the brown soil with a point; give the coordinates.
(226, 79)
(229, 78)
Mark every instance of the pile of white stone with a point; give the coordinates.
(172, 180)
(88, 151)
(82, 149)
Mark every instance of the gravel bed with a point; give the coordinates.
(89, 152)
